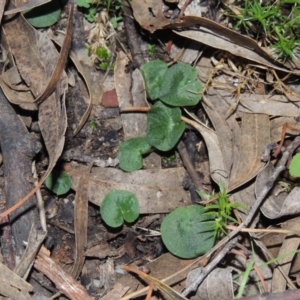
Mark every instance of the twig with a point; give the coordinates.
(189, 165)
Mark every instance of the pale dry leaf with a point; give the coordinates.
(26, 6)
(158, 191)
(35, 240)
(276, 125)
(81, 221)
(116, 293)
(134, 124)
(275, 207)
(290, 244)
(12, 285)
(149, 14)
(52, 112)
(217, 36)
(277, 105)
(255, 135)
(224, 132)
(217, 285)
(217, 168)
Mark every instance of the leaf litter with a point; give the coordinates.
(247, 98)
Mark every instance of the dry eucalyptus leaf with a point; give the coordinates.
(224, 132)
(255, 135)
(277, 105)
(276, 125)
(149, 14)
(217, 36)
(158, 191)
(12, 285)
(216, 162)
(35, 240)
(26, 6)
(275, 207)
(134, 124)
(81, 221)
(217, 285)
(36, 67)
(290, 244)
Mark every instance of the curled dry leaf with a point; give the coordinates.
(279, 206)
(208, 289)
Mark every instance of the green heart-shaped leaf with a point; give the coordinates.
(153, 73)
(130, 153)
(45, 15)
(294, 167)
(164, 126)
(188, 232)
(180, 86)
(119, 205)
(58, 182)
(176, 86)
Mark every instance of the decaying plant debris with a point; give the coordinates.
(71, 93)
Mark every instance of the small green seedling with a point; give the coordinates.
(45, 15)
(58, 182)
(119, 205)
(221, 210)
(274, 23)
(294, 167)
(176, 87)
(93, 124)
(130, 153)
(151, 50)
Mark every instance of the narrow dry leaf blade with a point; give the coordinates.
(61, 61)
(35, 240)
(81, 222)
(255, 135)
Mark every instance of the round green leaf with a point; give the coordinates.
(188, 232)
(181, 86)
(130, 153)
(164, 126)
(44, 15)
(58, 182)
(119, 205)
(153, 73)
(294, 167)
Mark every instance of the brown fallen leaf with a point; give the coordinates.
(81, 221)
(52, 112)
(158, 191)
(12, 285)
(255, 135)
(149, 14)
